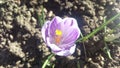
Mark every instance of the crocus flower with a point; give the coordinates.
(60, 35)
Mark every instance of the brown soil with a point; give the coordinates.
(21, 44)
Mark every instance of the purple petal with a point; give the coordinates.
(68, 21)
(68, 24)
(70, 33)
(44, 30)
(55, 24)
(66, 52)
(70, 36)
(66, 45)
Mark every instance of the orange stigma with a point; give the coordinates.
(57, 39)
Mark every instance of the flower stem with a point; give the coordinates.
(47, 60)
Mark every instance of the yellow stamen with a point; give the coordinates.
(58, 32)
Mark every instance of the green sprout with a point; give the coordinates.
(99, 28)
(41, 18)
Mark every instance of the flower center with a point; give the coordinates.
(58, 32)
(58, 35)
